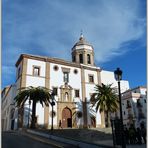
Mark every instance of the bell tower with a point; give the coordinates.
(83, 52)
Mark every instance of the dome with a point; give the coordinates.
(83, 52)
(82, 41)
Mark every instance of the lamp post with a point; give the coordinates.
(52, 104)
(29, 113)
(118, 77)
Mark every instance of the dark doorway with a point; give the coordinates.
(69, 122)
(12, 124)
(66, 118)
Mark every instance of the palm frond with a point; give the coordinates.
(105, 98)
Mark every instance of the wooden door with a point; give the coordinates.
(66, 118)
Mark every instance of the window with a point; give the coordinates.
(77, 93)
(66, 77)
(55, 91)
(81, 58)
(145, 100)
(36, 71)
(128, 104)
(88, 59)
(139, 103)
(91, 78)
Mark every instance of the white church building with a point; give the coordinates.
(72, 81)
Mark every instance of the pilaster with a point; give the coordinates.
(47, 85)
(84, 97)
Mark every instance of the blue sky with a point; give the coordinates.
(115, 28)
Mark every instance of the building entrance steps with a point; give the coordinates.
(95, 141)
(62, 136)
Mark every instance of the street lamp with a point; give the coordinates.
(29, 113)
(52, 104)
(118, 77)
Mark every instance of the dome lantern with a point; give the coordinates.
(83, 52)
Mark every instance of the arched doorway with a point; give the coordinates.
(66, 118)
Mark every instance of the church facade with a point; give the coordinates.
(72, 82)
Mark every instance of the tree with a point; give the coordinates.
(35, 94)
(105, 99)
(78, 113)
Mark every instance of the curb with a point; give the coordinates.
(74, 142)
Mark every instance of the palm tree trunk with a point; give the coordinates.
(107, 123)
(20, 117)
(33, 121)
(85, 114)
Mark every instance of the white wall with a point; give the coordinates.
(133, 97)
(55, 117)
(31, 63)
(90, 88)
(7, 106)
(35, 81)
(143, 91)
(40, 114)
(107, 77)
(56, 78)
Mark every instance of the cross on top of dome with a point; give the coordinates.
(82, 41)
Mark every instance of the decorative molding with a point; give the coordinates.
(61, 106)
(84, 97)
(66, 89)
(56, 61)
(47, 59)
(64, 69)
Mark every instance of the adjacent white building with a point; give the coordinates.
(134, 104)
(73, 83)
(9, 116)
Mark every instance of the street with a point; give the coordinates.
(19, 140)
(27, 140)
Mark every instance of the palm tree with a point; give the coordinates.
(79, 114)
(105, 99)
(35, 94)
